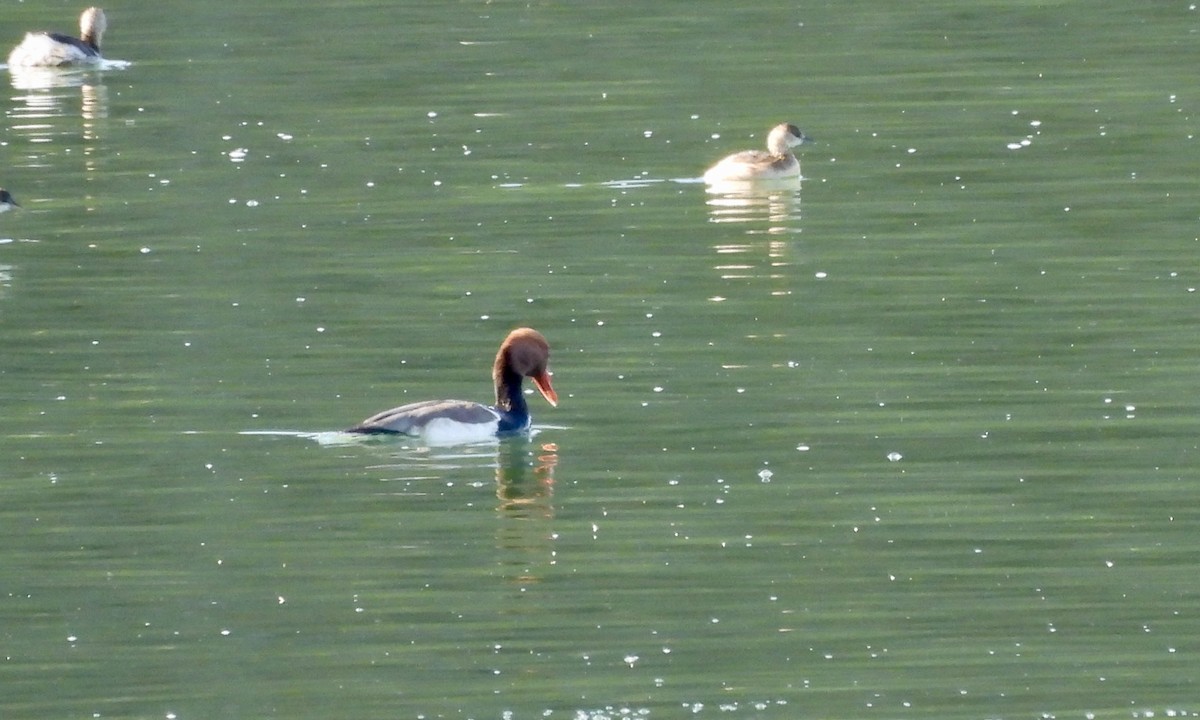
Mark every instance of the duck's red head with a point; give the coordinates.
(526, 353)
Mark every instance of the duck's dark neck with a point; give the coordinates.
(510, 401)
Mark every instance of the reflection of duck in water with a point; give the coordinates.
(7, 201)
(525, 479)
(777, 162)
(42, 49)
(523, 354)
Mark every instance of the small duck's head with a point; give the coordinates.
(784, 136)
(92, 25)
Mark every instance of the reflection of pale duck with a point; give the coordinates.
(523, 354)
(42, 49)
(7, 201)
(777, 162)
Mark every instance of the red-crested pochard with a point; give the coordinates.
(523, 354)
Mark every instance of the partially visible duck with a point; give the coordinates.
(777, 162)
(523, 354)
(7, 201)
(42, 49)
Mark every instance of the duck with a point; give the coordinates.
(43, 49)
(777, 162)
(523, 354)
(7, 201)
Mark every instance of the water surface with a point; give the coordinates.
(912, 437)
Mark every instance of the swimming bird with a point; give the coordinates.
(7, 201)
(523, 354)
(777, 162)
(42, 49)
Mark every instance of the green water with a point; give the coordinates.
(913, 439)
